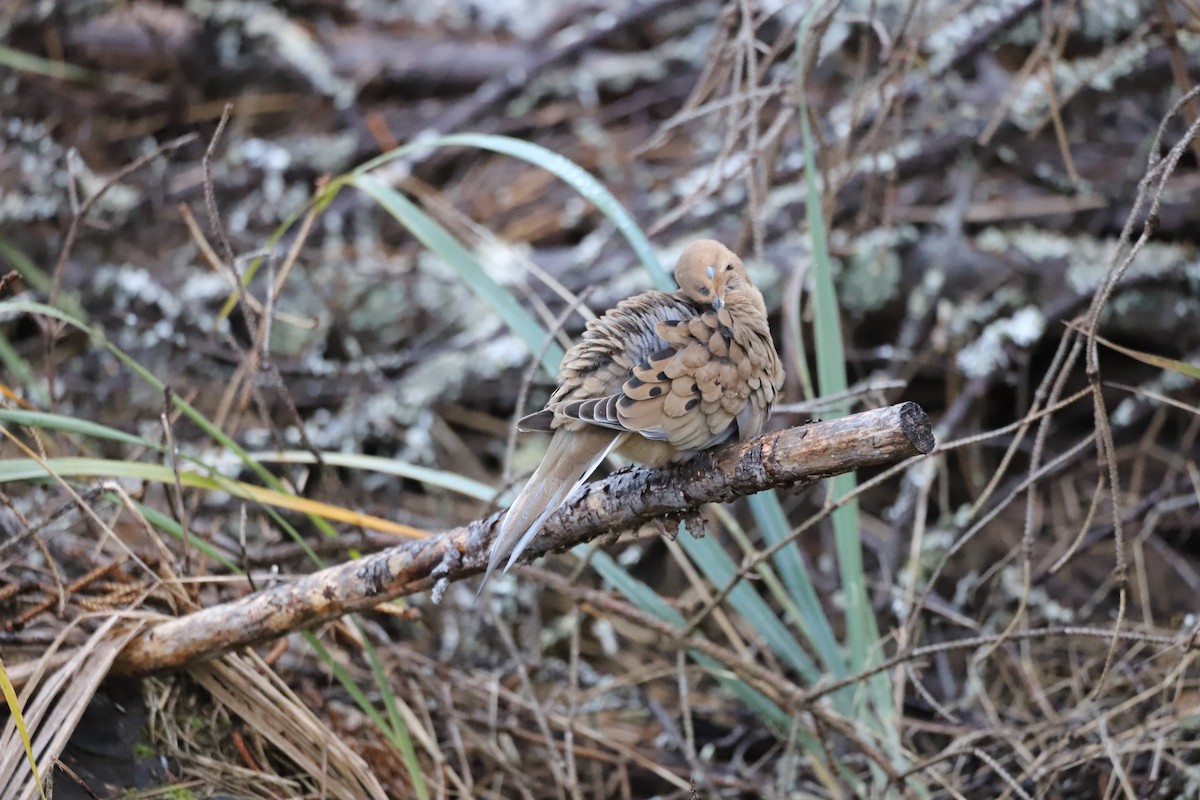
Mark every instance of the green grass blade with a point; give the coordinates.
(773, 525)
(60, 70)
(14, 713)
(398, 738)
(26, 469)
(395, 719)
(563, 168)
(170, 526)
(634, 590)
(582, 182)
(387, 466)
(19, 369)
(446, 247)
(649, 601)
(720, 570)
(15, 366)
(34, 275)
(568, 171)
(862, 631)
(78, 427)
(189, 411)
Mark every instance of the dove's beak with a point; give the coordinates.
(718, 286)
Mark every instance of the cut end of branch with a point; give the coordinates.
(916, 426)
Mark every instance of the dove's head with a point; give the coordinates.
(708, 273)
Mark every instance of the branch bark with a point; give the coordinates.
(794, 457)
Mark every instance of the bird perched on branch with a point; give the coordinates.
(658, 379)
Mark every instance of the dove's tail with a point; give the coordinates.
(570, 459)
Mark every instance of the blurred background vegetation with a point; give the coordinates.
(986, 208)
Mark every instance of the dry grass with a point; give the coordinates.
(999, 188)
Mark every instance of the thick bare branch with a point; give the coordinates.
(788, 458)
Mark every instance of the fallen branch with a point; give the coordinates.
(788, 458)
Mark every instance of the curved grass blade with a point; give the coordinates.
(453, 253)
(14, 712)
(26, 469)
(719, 568)
(52, 68)
(45, 420)
(388, 466)
(189, 411)
(774, 527)
(563, 168)
(650, 602)
(25, 266)
(431, 234)
(862, 629)
(400, 735)
(397, 737)
(174, 529)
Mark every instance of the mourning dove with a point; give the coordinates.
(658, 379)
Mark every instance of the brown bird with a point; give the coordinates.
(658, 378)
